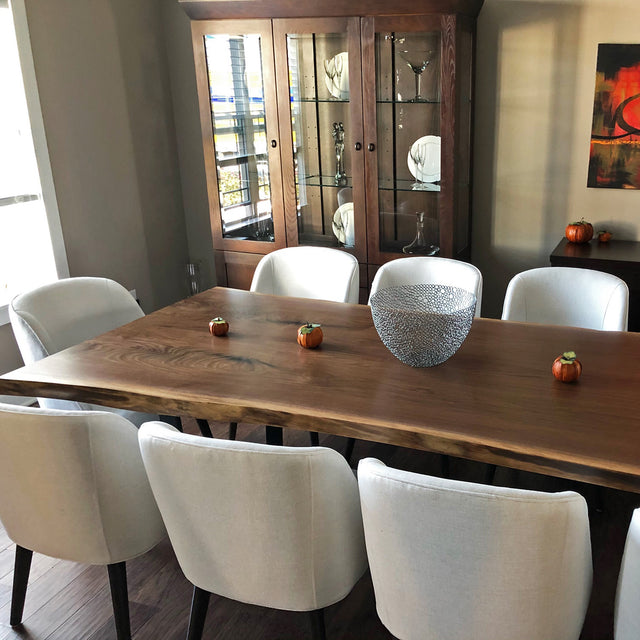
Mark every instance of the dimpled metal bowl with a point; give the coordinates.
(423, 325)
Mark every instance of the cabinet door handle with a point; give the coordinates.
(358, 146)
(274, 144)
(371, 146)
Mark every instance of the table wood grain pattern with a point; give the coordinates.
(495, 401)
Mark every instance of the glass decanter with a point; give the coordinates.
(419, 246)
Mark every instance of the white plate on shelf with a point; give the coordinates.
(424, 159)
(343, 226)
(336, 78)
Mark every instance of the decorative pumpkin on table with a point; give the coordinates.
(309, 335)
(218, 327)
(579, 232)
(567, 368)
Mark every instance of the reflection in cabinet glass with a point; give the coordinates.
(408, 134)
(319, 89)
(236, 89)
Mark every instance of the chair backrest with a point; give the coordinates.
(273, 526)
(67, 312)
(74, 485)
(569, 297)
(309, 272)
(429, 270)
(627, 610)
(453, 560)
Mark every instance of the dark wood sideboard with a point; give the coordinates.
(619, 257)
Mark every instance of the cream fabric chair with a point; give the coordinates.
(309, 272)
(278, 527)
(319, 273)
(74, 487)
(429, 270)
(55, 316)
(627, 611)
(568, 296)
(454, 560)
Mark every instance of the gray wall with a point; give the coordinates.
(535, 82)
(104, 89)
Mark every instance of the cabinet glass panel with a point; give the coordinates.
(408, 95)
(320, 107)
(236, 89)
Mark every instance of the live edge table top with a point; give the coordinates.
(494, 401)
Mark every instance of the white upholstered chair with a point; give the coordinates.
(278, 527)
(568, 296)
(627, 610)
(429, 270)
(73, 486)
(453, 560)
(320, 273)
(55, 316)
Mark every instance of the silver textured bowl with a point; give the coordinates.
(424, 324)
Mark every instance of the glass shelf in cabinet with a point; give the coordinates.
(409, 101)
(407, 185)
(323, 181)
(318, 100)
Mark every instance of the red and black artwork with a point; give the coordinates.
(614, 161)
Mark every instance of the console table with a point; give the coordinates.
(619, 257)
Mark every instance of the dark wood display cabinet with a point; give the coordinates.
(348, 131)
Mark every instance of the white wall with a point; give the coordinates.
(535, 82)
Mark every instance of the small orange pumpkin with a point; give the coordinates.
(579, 232)
(604, 236)
(309, 335)
(567, 368)
(218, 327)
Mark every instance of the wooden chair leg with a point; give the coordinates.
(446, 467)
(274, 435)
(233, 430)
(120, 599)
(205, 429)
(21, 570)
(315, 438)
(199, 605)
(348, 452)
(316, 618)
(174, 421)
(490, 474)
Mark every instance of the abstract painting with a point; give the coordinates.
(614, 160)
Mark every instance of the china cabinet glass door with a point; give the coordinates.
(411, 136)
(319, 89)
(242, 155)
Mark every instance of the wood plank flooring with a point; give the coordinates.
(67, 601)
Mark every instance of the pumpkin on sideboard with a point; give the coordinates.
(579, 232)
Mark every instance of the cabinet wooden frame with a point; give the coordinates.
(199, 30)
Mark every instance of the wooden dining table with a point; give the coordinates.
(494, 401)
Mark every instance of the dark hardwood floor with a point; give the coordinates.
(66, 601)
